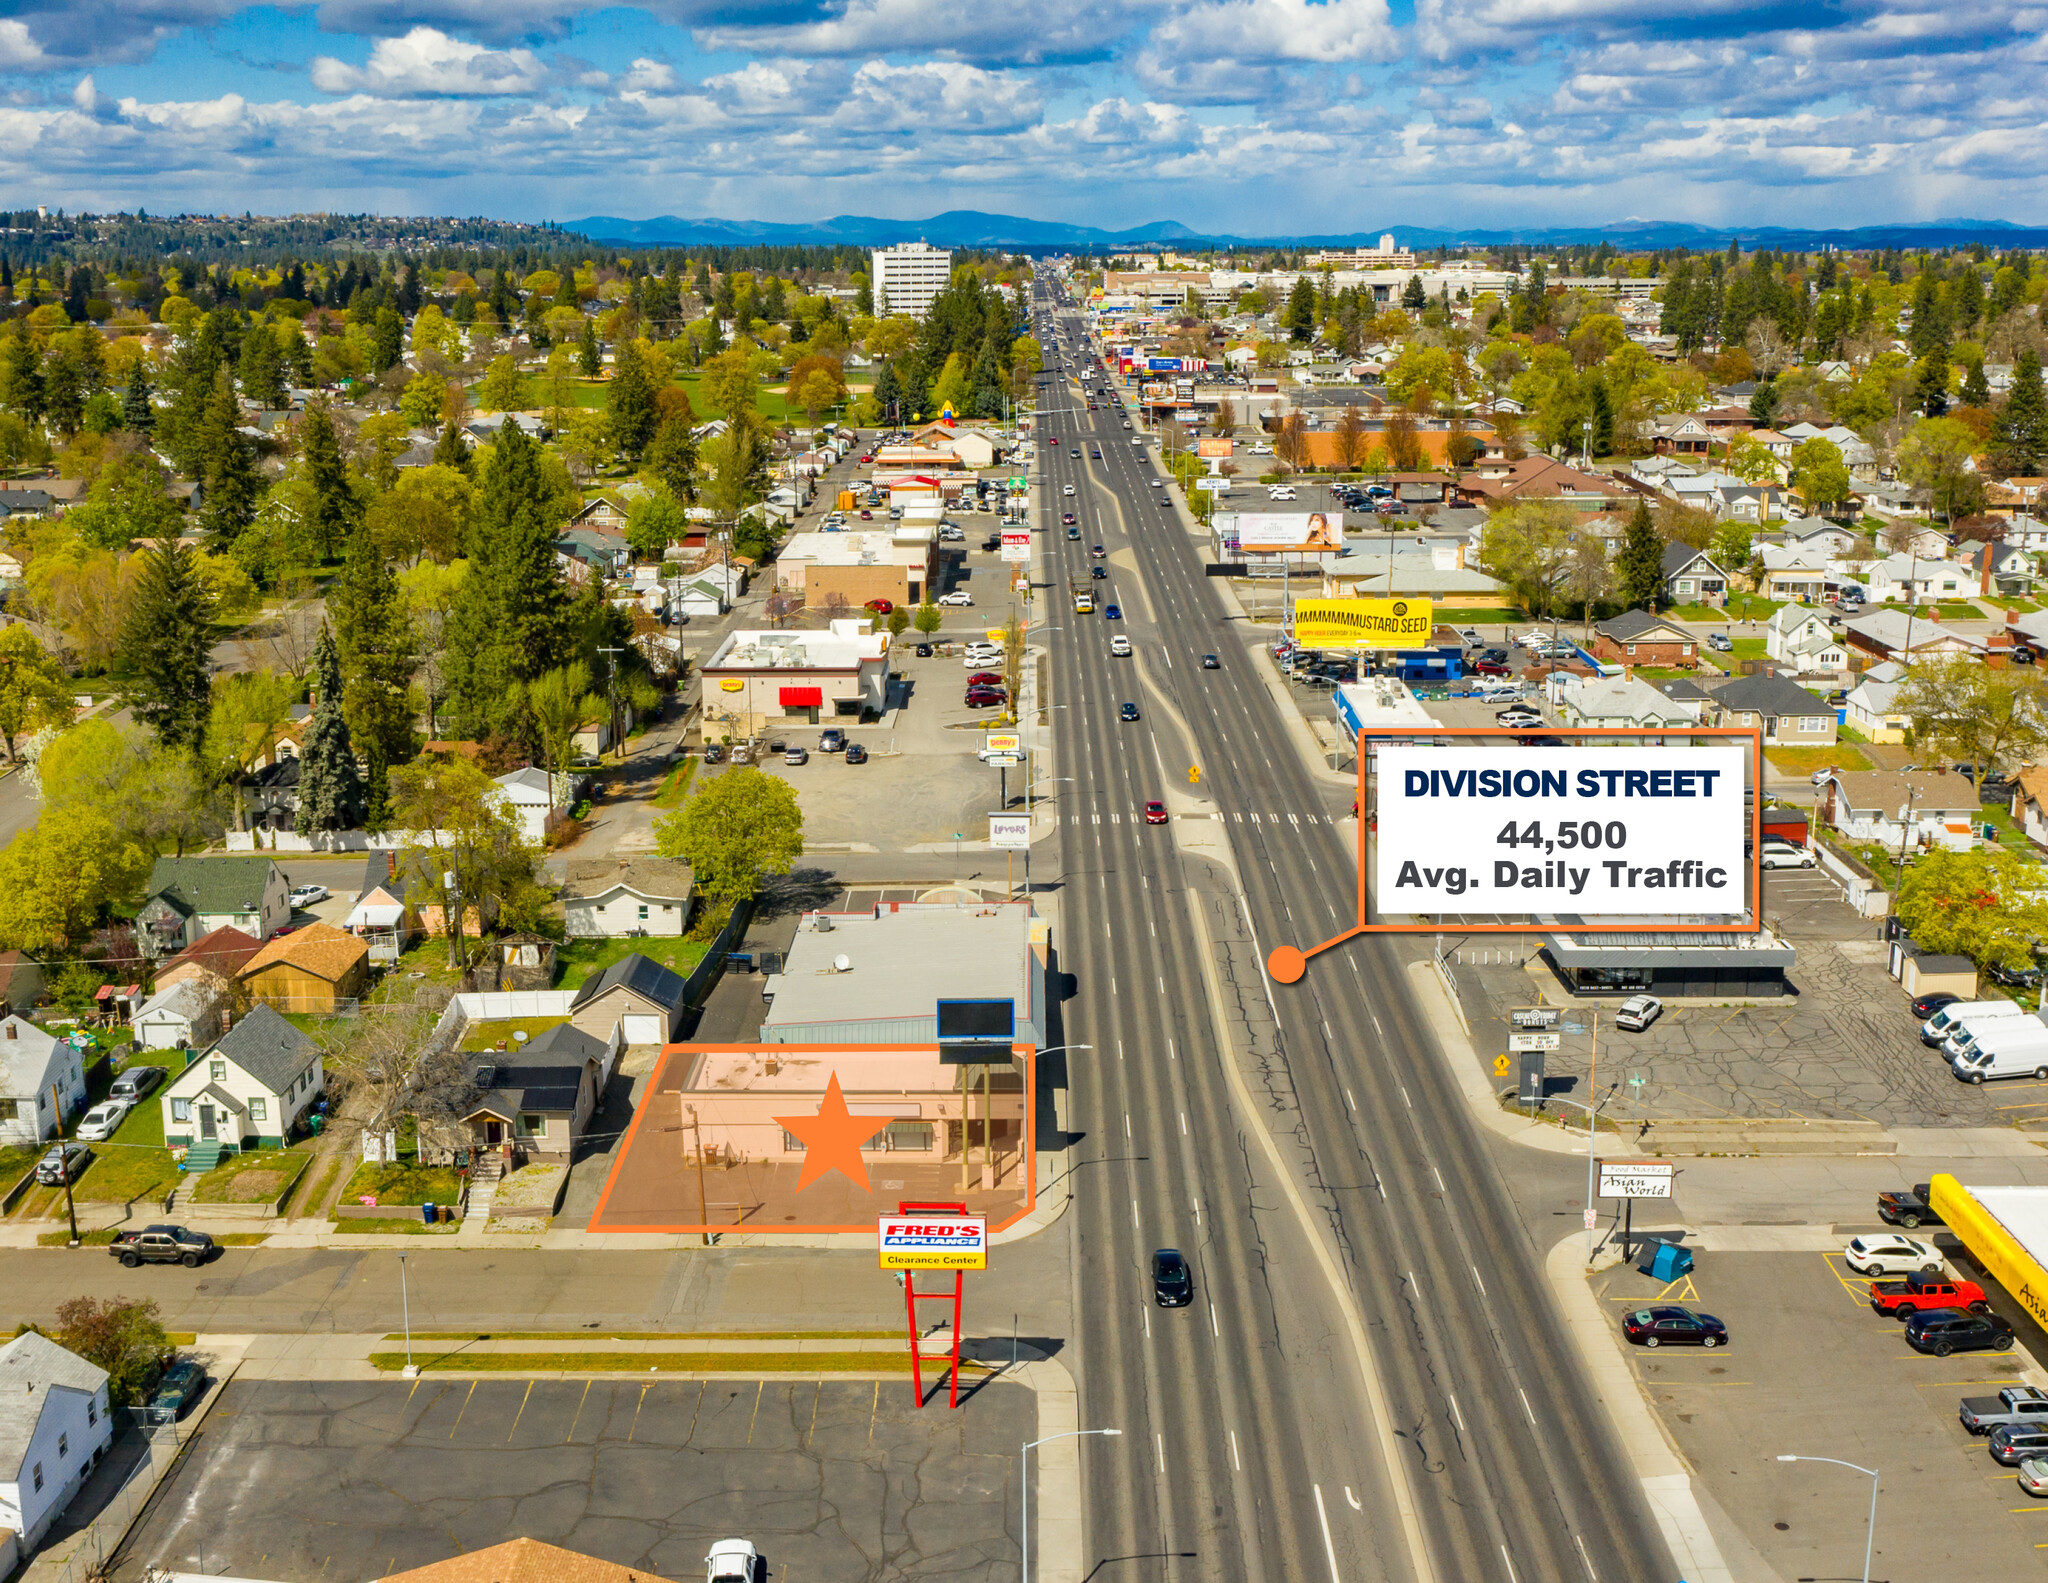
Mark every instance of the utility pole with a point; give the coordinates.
(611, 695)
(703, 1205)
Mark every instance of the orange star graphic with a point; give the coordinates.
(832, 1138)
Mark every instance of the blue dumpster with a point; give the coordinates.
(427, 1213)
(1665, 1261)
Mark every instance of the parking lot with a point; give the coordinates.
(832, 1480)
(1811, 1371)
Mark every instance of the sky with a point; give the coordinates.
(1256, 117)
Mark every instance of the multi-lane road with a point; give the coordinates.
(1252, 1443)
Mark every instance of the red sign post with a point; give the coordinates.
(967, 1250)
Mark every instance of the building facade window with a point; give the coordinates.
(259, 1110)
(217, 1071)
(532, 1126)
(909, 1137)
(791, 1143)
(181, 1110)
(10, 1110)
(63, 1445)
(39, 1475)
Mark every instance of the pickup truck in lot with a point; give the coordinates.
(1908, 1207)
(1917, 1291)
(2014, 1404)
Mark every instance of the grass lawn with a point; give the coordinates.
(133, 1163)
(579, 958)
(1804, 761)
(485, 1035)
(1453, 616)
(402, 1184)
(1958, 610)
(396, 1226)
(254, 1178)
(1741, 607)
(1748, 649)
(16, 1161)
(676, 786)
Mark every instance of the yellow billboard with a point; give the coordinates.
(1363, 623)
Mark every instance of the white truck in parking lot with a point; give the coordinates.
(2014, 1404)
(1937, 1028)
(2009, 1047)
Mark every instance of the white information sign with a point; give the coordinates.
(1009, 832)
(1636, 1178)
(1608, 832)
(1016, 544)
(1535, 1041)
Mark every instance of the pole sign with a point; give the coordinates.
(942, 1242)
(977, 1032)
(1535, 1041)
(1009, 832)
(1636, 1178)
(1016, 544)
(1531, 1088)
(1535, 1016)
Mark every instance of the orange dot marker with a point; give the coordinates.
(1286, 964)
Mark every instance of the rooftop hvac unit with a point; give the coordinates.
(823, 924)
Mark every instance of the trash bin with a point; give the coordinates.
(1665, 1261)
(427, 1213)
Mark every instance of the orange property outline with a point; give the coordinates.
(1028, 1055)
(1287, 963)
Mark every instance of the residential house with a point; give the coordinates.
(220, 954)
(272, 794)
(1873, 704)
(381, 917)
(531, 799)
(1907, 635)
(1693, 577)
(22, 982)
(188, 897)
(600, 511)
(1620, 701)
(1542, 478)
(319, 968)
(1787, 713)
(972, 448)
(1635, 637)
(1802, 640)
(635, 993)
(1919, 807)
(1857, 455)
(541, 1104)
(42, 1081)
(2029, 806)
(1677, 434)
(1794, 571)
(522, 1561)
(1997, 570)
(189, 1015)
(1817, 533)
(282, 739)
(627, 896)
(55, 1424)
(587, 552)
(2027, 533)
(249, 1090)
(1723, 495)
(1909, 579)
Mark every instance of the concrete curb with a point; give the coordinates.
(1666, 1479)
(1058, 1543)
(1464, 1063)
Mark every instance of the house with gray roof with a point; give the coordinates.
(189, 897)
(541, 1104)
(636, 993)
(1872, 706)
(1621, 701)
(249, 1090)
(627, 895)
(1635, 637)
(1693, 577)
(55, 1424)
(1802, 640)
(1787, 714)
(42, 1080)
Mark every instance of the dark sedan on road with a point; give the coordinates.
(1127, 712)
(1672, 1326)
(1173, 1283)
(1211, 663)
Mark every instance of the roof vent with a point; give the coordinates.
(842, 964)
(822, 924)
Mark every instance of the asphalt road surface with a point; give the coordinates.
(1237, 1445)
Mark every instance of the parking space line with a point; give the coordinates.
(520, 1414)
(566, 1439)
(463, 1408)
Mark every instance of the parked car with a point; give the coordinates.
(162, 1244)
(925, 651)
(306, 895)
(732, 1561)
(104, 1120)
(1720, 643)
(986, 698)
(1941, 1331)
(136, 1082)
(1783, 854)
(1908, 1207)
(1925, 1006)
(2016, 977)
(742, 753)
(1671, 1326)
(958, 598)
(2012, 1444)
(1921, 1291)
(1638, 1012)
(73, 1157)
(856, 754)
(181, 1386)
(880, 607)
(1490, 668)
(2014, 1404)
(985, 679)
(1173, 1283)
(1517, 717)
(1888, 1253)
(1155, 813)
(2034, 1477)
(795, 756)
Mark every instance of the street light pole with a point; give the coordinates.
(1592, 1115)
(1024, 1483)
(1870, 1533)
(412, 1371)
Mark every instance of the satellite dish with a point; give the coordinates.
(842, 964)
(520, 1036)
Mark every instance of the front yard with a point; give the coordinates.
(402, 1184)
(1805, 761)
(133, 1163)
(257, 1177)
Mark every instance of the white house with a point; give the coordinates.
(55, 1425)
(1803, 640)
(1620, 701)
(627, 896)
(1794, 571)
(1873, 704)
(531, 800)
(42, 1081)
(1931, 807)
(1908, 579)
(248, 1090)
(185, 1016)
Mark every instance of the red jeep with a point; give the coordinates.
(1901, 1299)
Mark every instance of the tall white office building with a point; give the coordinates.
(908, 277)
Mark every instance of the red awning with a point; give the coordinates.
(802, 697)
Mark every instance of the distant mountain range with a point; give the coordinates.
(966, 228)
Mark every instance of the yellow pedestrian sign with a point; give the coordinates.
(1194, 775)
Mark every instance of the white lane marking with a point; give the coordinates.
(1511, 1565)
(1457, 1415)
(1526, 1407)
(1356, 1504)
(1112, 983)
(1595, 1576)
(1350, 1101)
(1160, 1441)
(1329, 1549)
(1169, 1050)
(1404, 1092)
(1162, 984)
(1326, 1031)
(1119, 1049)
(1376, 1023)
(1476, 1281)
(1198, 1207)
(1233, 1452)
(1183, 1124)
(1134, 1214)
(1214, 1329)
(1148, 1321)
(1127, 1124)
(1439, 1175)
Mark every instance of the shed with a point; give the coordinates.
(315, 969)
(1932, 973)
(220, 953)
(635, 991)
(186, 1016)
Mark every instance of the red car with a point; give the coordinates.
(880, 607)
(1903, 1298)
(986, 697)
(1155, 813)
(1490, 668)
(867, 516)
(985, 679)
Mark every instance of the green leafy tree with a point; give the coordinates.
(421, 401)
(929, 618)
(122, 1335)
(629, 400)
(164, 643)
(672, 458)
(452, 449)
(138, 412)
(733, 829)
(1967, 711)
(374, 641)
(330, 785)
(736, 467)
(730, 384)
(1987, 905)
(59, 876)
(656, 521)
(462, 827)
(249, 710)
(503, 388)
(262, 368)
(1639, 564)
(1820, 475)
(1930, 383)
(35, 694)
(559, 704)
(1936, 456)
(1526, 545)
(1299, 316)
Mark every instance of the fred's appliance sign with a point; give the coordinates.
(941, 1242)
(1607, 832)
(1363, 623)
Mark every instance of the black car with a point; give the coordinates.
(856, 754)
(2017, 977)
(925, 651)
(163, 1244)
(180, 1387)
(1908, 1207)
(136, 1081)
(75, 1157)
(1173, 1283)
(1672, 1326)
(1945, 1330)
(714, 753)
(1073, 533)
(1098, 571)
(1128, 712)
(1926, 1006)
(1211, 663)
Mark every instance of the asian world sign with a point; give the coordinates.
(1363, 623)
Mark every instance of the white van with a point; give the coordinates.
(2006, 1050)
(1938, 1027)
(1970, 1033)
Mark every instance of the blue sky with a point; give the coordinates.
(1255, 116)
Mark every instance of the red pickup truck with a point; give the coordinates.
(1916, 1291)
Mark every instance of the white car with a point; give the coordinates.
(1638, 1012)
(1279, 492)
(1120, 645)
(306, 895)
(103, 1120)
(1262, 450)
(1066, 489)
(981, 659)
(1891, 1254)
(959, 596)
(732, 1561)
(1783, 854)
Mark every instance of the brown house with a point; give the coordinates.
(314, 969)
(220, 953)
(1635, 637)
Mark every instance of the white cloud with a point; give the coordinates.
(648, 76)
(427, 63)
(1006, 31)
(85, 95)
(1320, 31)
(19, 50)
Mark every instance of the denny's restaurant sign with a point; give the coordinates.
(731, 684)
(939, 1242)
(1363, 623)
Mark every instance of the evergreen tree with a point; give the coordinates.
(1300, 314)
(1639, 564)
(138, 414)
(2021, 428)
(228, 505)
(1763, 401)
(374, 641)
(337, 511)
(888, 393)
(673, 458)
(629, 401)
(1603, 419)
(510, 621)
(1413, 297)
(588, 358)
(262, 369)
(164, 642)
(330, 786)
(1930, 384)
(1976, 389)
(24, 372)
(452, 449)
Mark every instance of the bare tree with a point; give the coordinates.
(1225, 420)
(1352, 438)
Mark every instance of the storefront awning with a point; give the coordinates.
(802, 697)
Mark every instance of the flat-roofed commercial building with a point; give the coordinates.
(756, 678)
(859, 566)
(908, 276)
